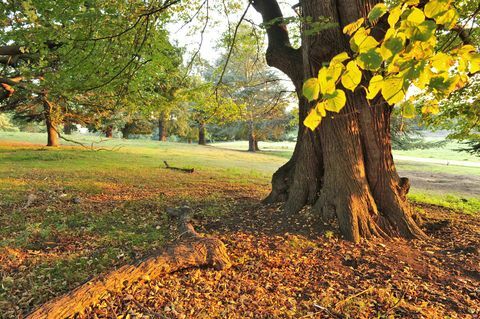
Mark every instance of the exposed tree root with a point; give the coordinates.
(185, 170)
(192, 251)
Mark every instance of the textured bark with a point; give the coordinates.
(192, 251)
(52, 133)
(201, 134)
(281, 55)
(345, 166)
(162, 128)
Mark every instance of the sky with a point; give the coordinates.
(182, 34)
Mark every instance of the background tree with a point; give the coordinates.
(250, 82)
(57, 50)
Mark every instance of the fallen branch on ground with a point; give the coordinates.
(192, 251)
(186, 170)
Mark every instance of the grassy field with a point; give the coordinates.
(69, 213)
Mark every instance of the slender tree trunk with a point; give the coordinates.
(109, 131)
(201, 134)
(162, 128)
(52, 133)
(126, 131)
(252, 140)
(345, 167)
(256, 145)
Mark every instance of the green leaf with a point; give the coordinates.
(394, 45)
(423, 31)
(408, 110)
(370, 60)
(378, 11)
(311, 89)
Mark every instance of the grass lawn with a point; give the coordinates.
(69, 213)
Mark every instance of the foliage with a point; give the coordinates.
(91, 59)
(406, 54)
(257, 90)
(6, 124)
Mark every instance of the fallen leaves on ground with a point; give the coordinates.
(288, 270)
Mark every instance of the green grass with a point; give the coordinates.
(449, 152)
(467, 205)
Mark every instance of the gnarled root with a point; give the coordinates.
(192, 251)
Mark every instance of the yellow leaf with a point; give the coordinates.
(321, 108)
(392, 90)
(434, 8)
(416, 16)
(474, 62)
(312, 120)
(339, 58)
(352, 27)
(431, 107)
(311, 89)
(362, 42)
(465, 49)
(394, 15)
(424, 78)
(336, 102)
(327, 85)
(352, 76)
(374, 87)
(412, 2)
(442, 62)
(335, 70)
(448, 19)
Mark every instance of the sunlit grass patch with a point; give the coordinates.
(467, 205)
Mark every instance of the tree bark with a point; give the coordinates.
(109, 131)
(252, 139)
(52, 133)
(126, 131)
(201, 134)
(162, 128)
(345, 167)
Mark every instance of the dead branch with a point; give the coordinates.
(186, 170)
(192, 251)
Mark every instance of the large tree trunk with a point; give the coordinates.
(345, 167)
(162, 128)
(201, 134)
(52, 133)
